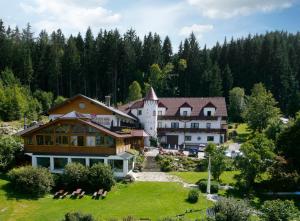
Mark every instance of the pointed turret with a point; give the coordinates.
(151, 95)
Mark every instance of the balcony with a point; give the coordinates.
(192, 130)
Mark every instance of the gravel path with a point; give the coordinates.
(160, 177)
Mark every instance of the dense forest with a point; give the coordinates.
(108, 62)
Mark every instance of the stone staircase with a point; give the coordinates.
(151, 165)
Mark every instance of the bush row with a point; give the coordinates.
(39, 181)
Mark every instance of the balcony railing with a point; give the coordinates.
(192, 130)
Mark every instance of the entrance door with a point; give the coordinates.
(172, 140)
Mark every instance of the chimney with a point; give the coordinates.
(107, 100)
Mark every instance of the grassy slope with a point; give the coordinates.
(192, 177)
(142, 199)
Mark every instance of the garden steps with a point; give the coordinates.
(151, 165)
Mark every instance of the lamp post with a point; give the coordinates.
(209, 176)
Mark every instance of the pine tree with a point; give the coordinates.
(215, 82)
(167, 50)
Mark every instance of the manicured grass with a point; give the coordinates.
(192, 177)
(152, 200)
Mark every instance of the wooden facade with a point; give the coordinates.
(81, 105)
(74, 137)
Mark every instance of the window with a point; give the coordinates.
(81, 105)
(62, 140)
(116, 165)
(194, 125)
(43, 162)
(78, 160)
(28, 140)
(77, 140)
(62, 129)
(210, 138)
(60, 163)
(80, 141)
(90, 141)
(40, 139)
(208, 125)
(154, 113)
(174, 125)
(198, 138)
(78, 128)
(96, 161)
(74, 140)
(208, 113)
(48, 140)
(139, 112)
(109, 141)
(159, 113)
(99, 140)
(184, 113)
(187, 138)
(130, 164)
(159, 124)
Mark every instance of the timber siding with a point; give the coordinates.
(69, 150)
(73, 105)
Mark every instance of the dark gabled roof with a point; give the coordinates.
(161, 105)
(151, 95)
(196, 103)
(84, 121)
(94, 101)
(185, 104)
(173, 104)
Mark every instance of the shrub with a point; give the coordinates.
(36, 181)
(279, 210)
(9, 150)
(166, 165)
(101, 176)
(214, 187)
(231, 209)
(77, 216)
(75, 175)
(193, 196)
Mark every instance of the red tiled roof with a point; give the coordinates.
(174, 103)
(197, 104)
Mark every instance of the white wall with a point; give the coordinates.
(187, 109)
(87, 160)
(212, 109)
(215, 124)
(203, 138)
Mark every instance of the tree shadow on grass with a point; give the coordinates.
(12, 194)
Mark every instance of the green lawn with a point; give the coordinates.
(141, 200)
(242, 130)
(192, 177)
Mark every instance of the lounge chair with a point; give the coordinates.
(104, 194)
(58, 193)
(64, 195)
(95, 195)
(81, 194)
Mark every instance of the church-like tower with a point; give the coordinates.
(150, 114)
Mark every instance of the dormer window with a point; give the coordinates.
(159, 113)
(209, 109)
(139, 112)
(185, 109)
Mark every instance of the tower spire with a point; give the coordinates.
(151, 95)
